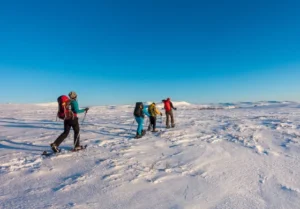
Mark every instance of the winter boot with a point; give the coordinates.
(173, 125)
(154, 130)
(78, 148)
(143, 132)
(54, 147)
(138, 136)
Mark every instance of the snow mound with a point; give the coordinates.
(49, 104)
(182, 103)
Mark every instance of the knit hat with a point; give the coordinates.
(72, 95)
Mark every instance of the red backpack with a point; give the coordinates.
(167, 105)
(64, 111)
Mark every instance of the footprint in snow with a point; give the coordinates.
(69, 182)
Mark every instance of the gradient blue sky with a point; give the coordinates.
(120, 52)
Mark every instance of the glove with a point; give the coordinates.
(175, 108)
(86, 109)
(160, 114)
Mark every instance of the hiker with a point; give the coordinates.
(153, 111)
(70, 120)
(168, 106)
(139, 114)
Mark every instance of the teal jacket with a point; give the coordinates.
(74, 107)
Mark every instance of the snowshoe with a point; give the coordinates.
(54, 148)
(78, 148)
(45, 153)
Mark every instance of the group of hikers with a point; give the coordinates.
(140, 111)
(68, 109)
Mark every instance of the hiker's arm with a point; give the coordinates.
(75, 107)
(146, 112)
(157, 111)
(173, 106)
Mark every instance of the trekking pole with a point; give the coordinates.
(83, 118)
(161, 124)
(79, 132)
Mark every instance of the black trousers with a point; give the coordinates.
(68, 124)
(152, 123)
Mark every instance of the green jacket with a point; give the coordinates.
(74, 107)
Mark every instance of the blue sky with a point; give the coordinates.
(120, 52)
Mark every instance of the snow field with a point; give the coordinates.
(245, 157)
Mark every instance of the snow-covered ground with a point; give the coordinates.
(244, 155)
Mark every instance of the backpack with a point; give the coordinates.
(151, 110)
(138, 110)
(64, 111)
(167, 105)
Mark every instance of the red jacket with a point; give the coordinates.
(168, 105)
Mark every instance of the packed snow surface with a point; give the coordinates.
(239, 155)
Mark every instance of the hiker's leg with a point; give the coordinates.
(172, 118)
(150, 124)
(153, 122)
(140, 126)
(65, 134)
(168, 118)
(76, 129)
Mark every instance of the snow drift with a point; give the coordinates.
(245, 157)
